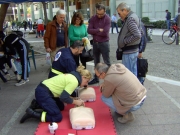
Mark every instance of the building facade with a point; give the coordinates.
(154, 9)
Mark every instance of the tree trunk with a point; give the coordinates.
(3, 11)
(45, 13)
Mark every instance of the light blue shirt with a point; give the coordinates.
(114, 19)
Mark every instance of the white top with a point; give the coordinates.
(39, 21)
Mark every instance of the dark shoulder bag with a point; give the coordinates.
(142, 67)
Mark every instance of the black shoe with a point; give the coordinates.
(94, 81)
(30, 114)
(34, 105)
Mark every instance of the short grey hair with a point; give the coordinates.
(100, 6)
(102, 67)
(123, 5)
(61, 12)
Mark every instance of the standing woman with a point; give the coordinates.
(77, 31)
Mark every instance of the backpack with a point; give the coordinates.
(143, 42)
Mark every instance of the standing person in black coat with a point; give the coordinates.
(15, 44)
(25, 25)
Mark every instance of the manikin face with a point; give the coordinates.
(60, 18)
(84, 82)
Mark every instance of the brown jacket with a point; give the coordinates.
(124, 87)
(50, 36)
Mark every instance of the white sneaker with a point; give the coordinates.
(18, 77)
(21, 82)
(171, 38)
(27, 80)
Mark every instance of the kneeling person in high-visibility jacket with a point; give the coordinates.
(59, 86)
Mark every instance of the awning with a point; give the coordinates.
(21, 1)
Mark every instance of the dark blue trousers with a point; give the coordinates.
(45, 99)
(113, 24)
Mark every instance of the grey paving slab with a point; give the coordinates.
(163, 118)
(149, 130)
(160, 108)
(172, 90)
(178, 100)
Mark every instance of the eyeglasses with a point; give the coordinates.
(100, 75)
(100, 14)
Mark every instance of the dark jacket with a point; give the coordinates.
(142, 44)
(168, 16)
(64, 61)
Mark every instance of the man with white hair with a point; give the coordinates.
(56, 34)
(129, 37)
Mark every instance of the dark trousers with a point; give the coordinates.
(101, 48)
(82, 59)
(113, 24)
(44, 97)
(41, 33)
(23, 54)
(3, 78)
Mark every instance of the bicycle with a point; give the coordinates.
(169, 36)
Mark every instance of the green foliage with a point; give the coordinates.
(20, 24)
(158, 24)
(119, 23)
(145, 20)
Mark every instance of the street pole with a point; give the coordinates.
(177, 39)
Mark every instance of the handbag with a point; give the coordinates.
(88, 55)
(119, 53)
(142, 67)
(87, 52)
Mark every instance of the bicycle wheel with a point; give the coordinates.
(169, 36)
(164, 26)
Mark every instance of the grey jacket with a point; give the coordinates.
(126, 33)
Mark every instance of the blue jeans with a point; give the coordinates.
(36, 33)
(101, 48)
(109, 102)
(136, 107)
(130, 62)
(113, 24)
(168, 24)
(141, 79)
